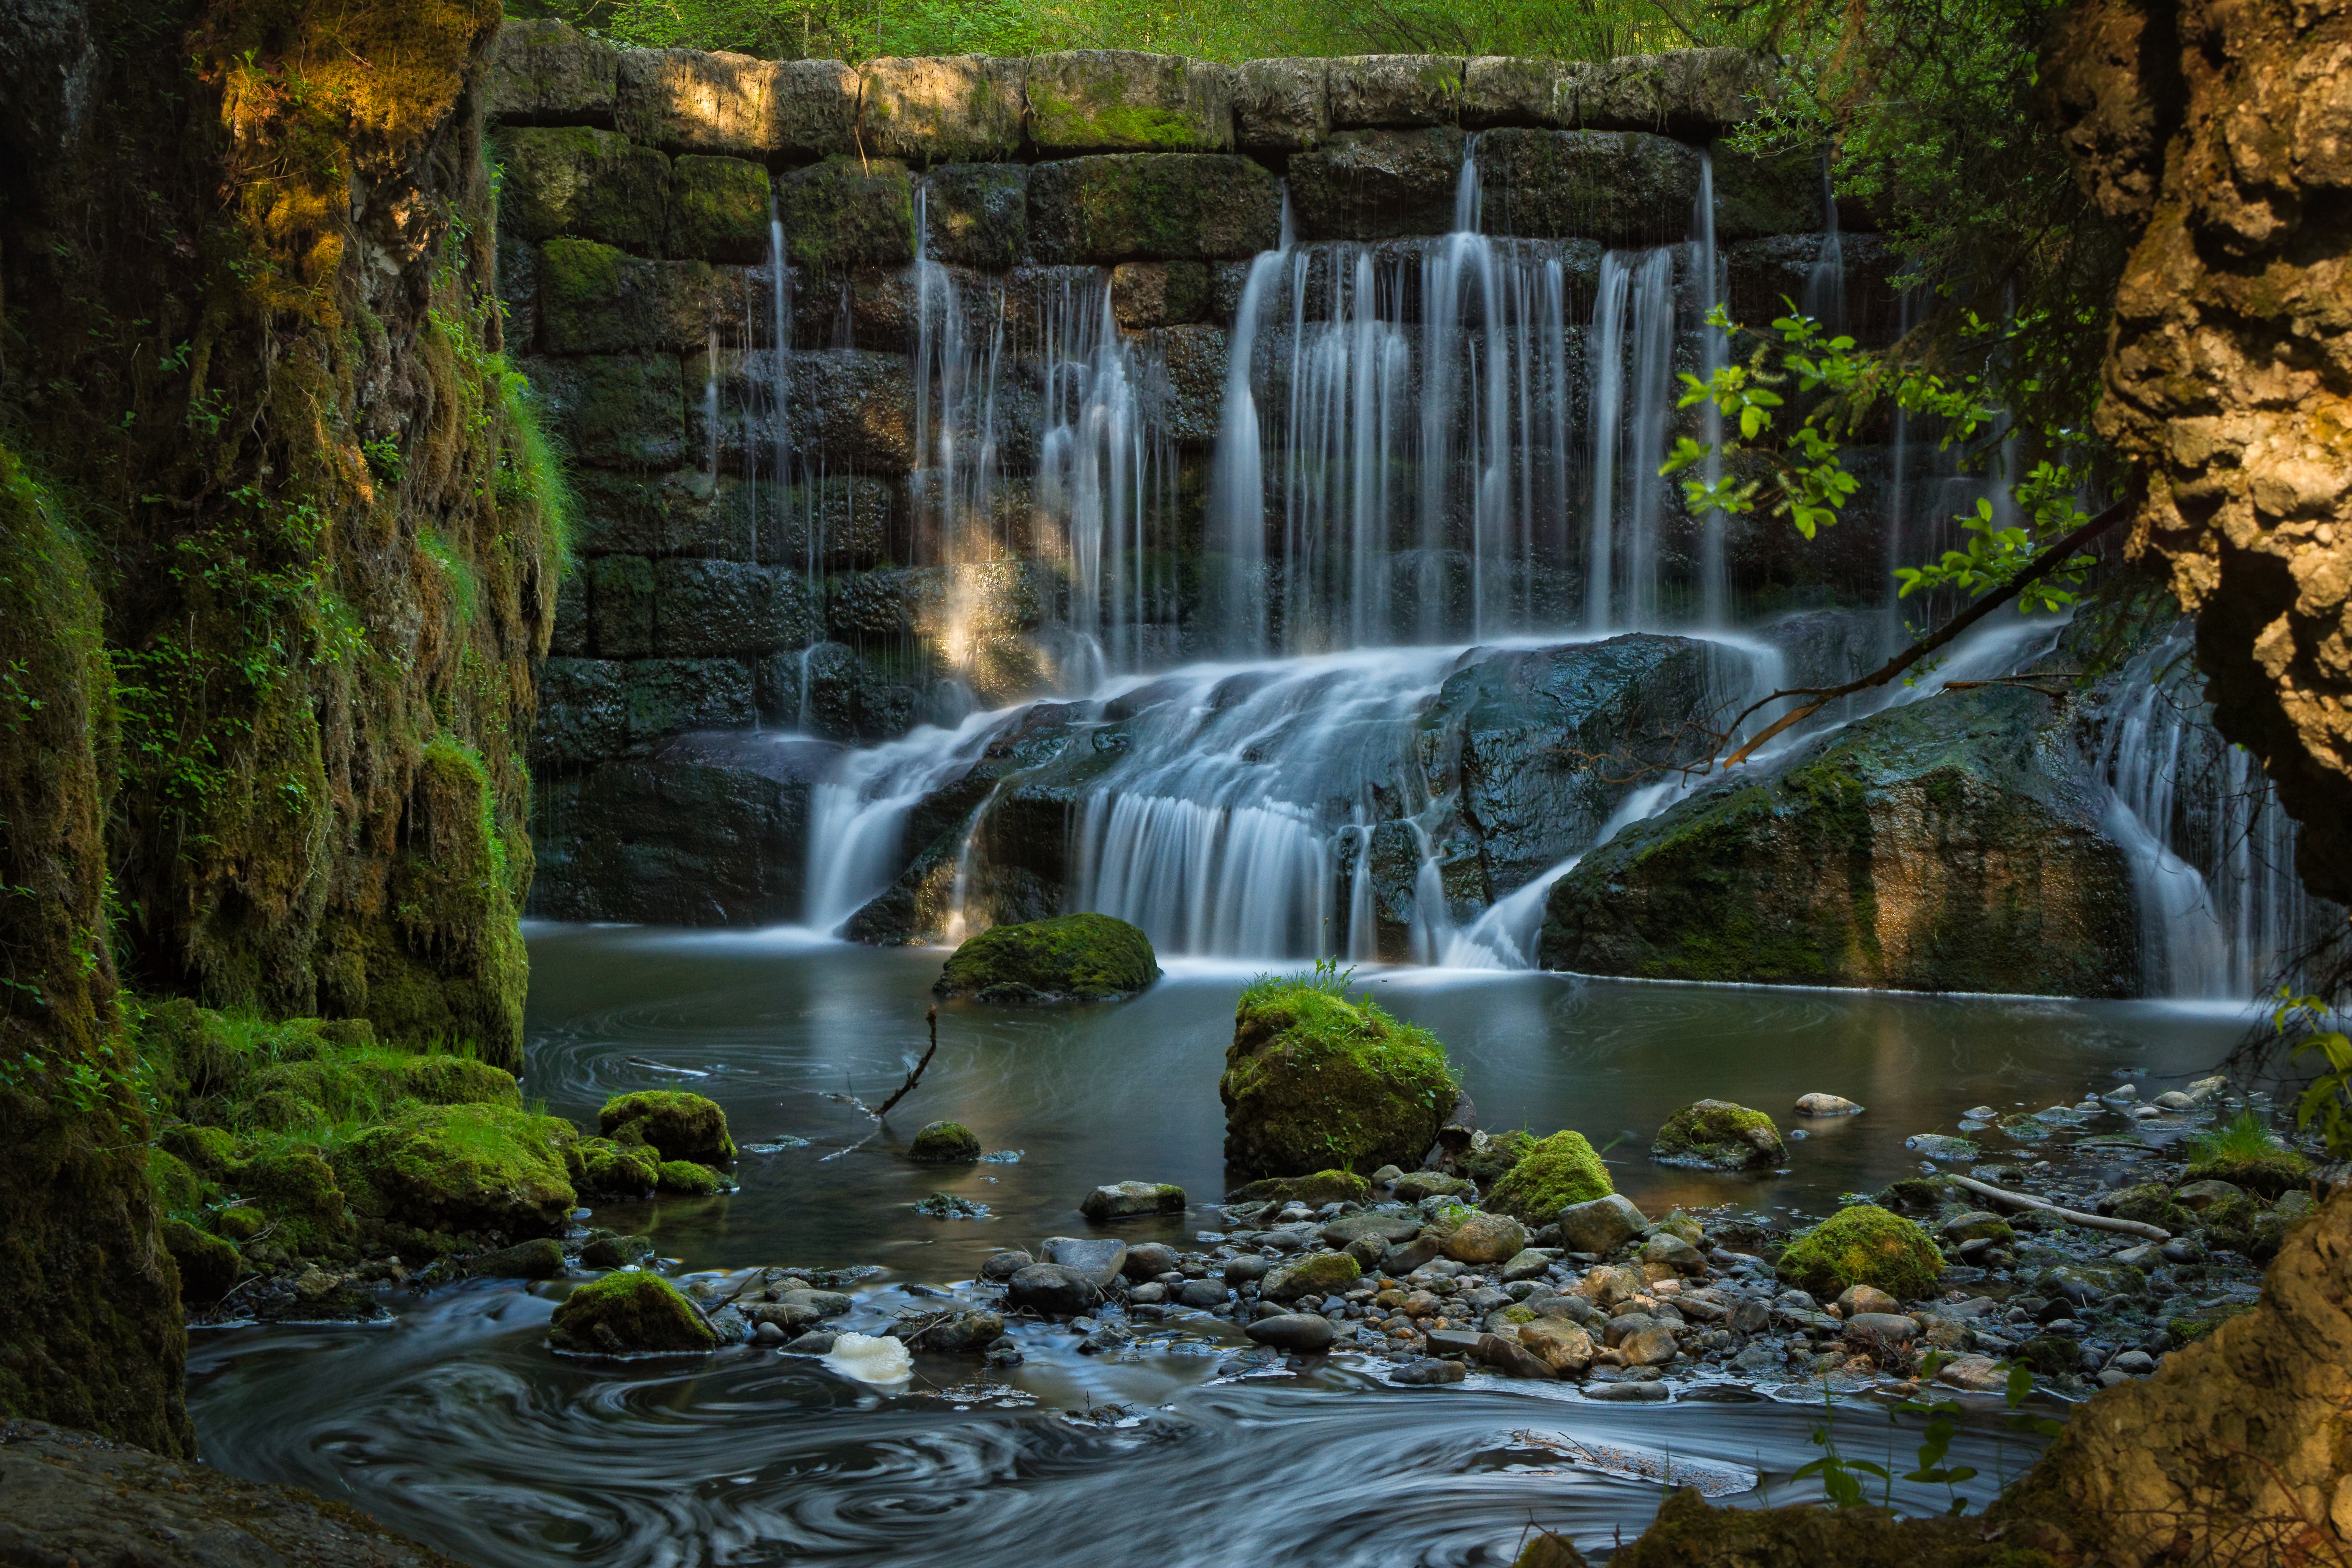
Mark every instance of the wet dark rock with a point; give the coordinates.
(1621, 188)
(1301, 1333)
(1098, 1260)
(1055, 1290)
(1130, 1200)
(1378, 184)
(815, 1343)
(541, 1259)
(1202, 1294)
(1628, 1393)
(615, 1251)
(1149, 1260)
(1001, 1266)
(1601, 1226)
(1429, 1372)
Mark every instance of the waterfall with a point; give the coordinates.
(1825, 297)
(2223, 914)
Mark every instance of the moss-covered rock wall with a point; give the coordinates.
(253, 347)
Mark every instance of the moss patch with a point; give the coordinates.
(609, 1167)
(944, 1141)
(464, 1168)
(1560, 1170)
(2272, 1173)
(717, 210)
(1313, 1081)
(1314, 1190)
(682, 1126)
(685, 1178)
(1715, 1135)
(1863, 1245)
(629, 1315)
(1088, 956)
(844, 213)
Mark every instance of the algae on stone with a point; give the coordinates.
(459, 1168)
(1314, 1189)
(1086, 956)
(1715, 1135)
(1551, 1175)
(718, 210)
(1313, 1081)
(633, 1314)
(683, 1126)
(1863, 1245)
(944, 1141)
(685, 1178)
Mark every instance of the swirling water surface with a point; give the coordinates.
(458, 1426)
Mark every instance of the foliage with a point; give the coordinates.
(2326, 1101)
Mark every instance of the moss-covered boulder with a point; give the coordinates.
(1313, 1081)
(1717, 1135)
(296, 1187)
(1863, 1245)
(209, 1266)
(629, 1315)
(1317, 1274)
(464, 1168)
(612, 1168)
(1314, 1189)
(944, 1143)
(682, 1126)
(2149, 1203)
(1083, 956)
(2272, 1173)
(686, 1179)
(1559, 1170)
(1490, 1157)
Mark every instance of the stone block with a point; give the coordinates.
(724, 607)
(575, 180)
(1372, 91)
(1121, 100)
(671, 696)
(867, 307)
(622, 514)
(848, 212)
(1378, 184)
(1690, 92)
(1756, 196)
(569, 638)
(1282, 106)
(854, 412)
(685, 101)
(841, 524)
(595, 299)
(1136, 207)
(1510, 90)
(621, 606)
(547, 73)
(717, 210)
(942, 110)
(583, 717)
(614, 411)
(1187, 394)
(978, 215)
(1621, 188)
(1145, 294)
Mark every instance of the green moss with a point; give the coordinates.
(1313, 1081)
(608, 1168)
(1141, 206)
(1314, 1190)
(682, 1126)
(298, 1189)
(1863, 1245)
(209, 1266)
(1918, 1195)
(1317, 1274)
(572, 180)
(718, 210)
(944, 1141)
(2272, 1172)
(626, 1314)
(464, 1168)
(844, 213)
(176, 1184)
(2187, 1328)
(1083, 956)
(2151, 1203)
(685, 1178)
(1560, 1170)
(1078, 105)
(1715, 1135)
(1489, 1159)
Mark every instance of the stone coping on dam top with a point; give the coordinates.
(979, 108)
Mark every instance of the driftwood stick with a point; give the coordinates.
(2073, 1217)
(917, 1075)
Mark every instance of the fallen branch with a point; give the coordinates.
(2073, 1217)
(932, 1017)
(2049, 560)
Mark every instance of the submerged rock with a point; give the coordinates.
(1311, 1076)
(1715, 1135)
(1303, 1333)
(1055, 1290)
(1826, 1106)
(1082, 957)
(626, 1314)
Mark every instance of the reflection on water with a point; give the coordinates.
(457, 1424)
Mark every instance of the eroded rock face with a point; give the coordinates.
(2220, 130)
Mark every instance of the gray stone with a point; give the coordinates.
(1529, 1264)
(1242, 1269)
(1149, 1260)
(978, 215)
(815, 1343)
(1131, 1199)
(592, 185)
(1138, 206)
(1817, 1105)
(1460, 1344)
(1511, 90)
(1282, 105)
(1380, 91)
(1891, 1327)
(686, 101)
(614, 411)
(1601, 1226)
(1675, 1252)
(1099, 1260)
(942, 109)
(1302, 1333)
(1055, 1290)
(1392, 1228)
(1867, 1299)
(1121, 100)
(1202, 1293)
(719, 607)
(1628, 1393)
(546, 72)
(1429, 1372)
(964, 1333)
(1620, 188)
(1377, 184)
(1001, 1266)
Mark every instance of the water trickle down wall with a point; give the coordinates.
(909, 393)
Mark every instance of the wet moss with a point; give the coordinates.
(458, 1168)
(1313, 1081)
(685, 1178)
(944, 1141)
(2272, 1173)
(1314, 1190)
(1715, 1135)
(572, 180)
(296, 1187)
(609, 1167)
(718, 210)
(1863, 1245)
(1087, 957)
(682, 1126)
(1559, 1170)
(209, 1265)
(844, 213)
(629, 1315)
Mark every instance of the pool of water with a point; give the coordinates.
(457, 1424)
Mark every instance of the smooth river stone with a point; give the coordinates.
(1827, 1105)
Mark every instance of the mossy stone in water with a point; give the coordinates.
(1313, 1081)
(944, 1142)
(481, 1168)
(1863, 1245)
(682, 1126)
(685, 1178)
(626, 1314)
(620, 1169)
(1085, 957)
(1717, 1135)
(209, 1265)
(1560, 1170)
(1314, 1190)
(2271, 1173)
